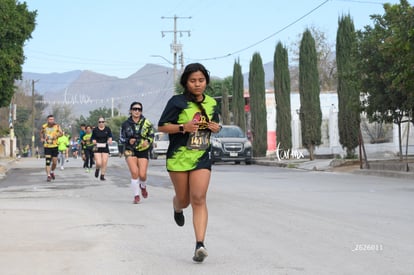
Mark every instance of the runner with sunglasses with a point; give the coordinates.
(101, 137)
(137, 134)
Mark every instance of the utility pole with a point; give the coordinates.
(12, 111)
(33, 116)
(175, 47)
(112, 107)
(182, 61)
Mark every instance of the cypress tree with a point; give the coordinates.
(348, 95)
(225, 106)
(282, 97)
(310, 110)
(238, 97)
(257, 93)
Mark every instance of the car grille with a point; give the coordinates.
(233, 147)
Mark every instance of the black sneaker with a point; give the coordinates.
(96, 173)
(52, 175)
(200, 254)
(179, 218)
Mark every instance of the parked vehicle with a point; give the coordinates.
(160, 145)
(231, 144)
(113, 149)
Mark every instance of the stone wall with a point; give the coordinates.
(7, 147)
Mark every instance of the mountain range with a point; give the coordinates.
(84, 91)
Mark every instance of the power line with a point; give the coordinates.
(264, 39)
(361, 2)
(85, 99)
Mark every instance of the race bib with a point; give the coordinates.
(199, 140)
(101, 145)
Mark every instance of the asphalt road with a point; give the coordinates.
(262, 220)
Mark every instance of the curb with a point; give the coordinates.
(392, 171)
(385, 173)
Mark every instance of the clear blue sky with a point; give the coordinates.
(117, 38)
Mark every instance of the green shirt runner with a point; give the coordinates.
(187, 151)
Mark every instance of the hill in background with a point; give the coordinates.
(84, 91)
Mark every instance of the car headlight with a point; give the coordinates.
(215, 143)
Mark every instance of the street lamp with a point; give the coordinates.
(160, 56)
(174, 65)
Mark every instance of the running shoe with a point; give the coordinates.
(49, 178)
(200, 254)
(96, 173)
(179, 218)
(136, 199)
(52, 175)
(144, 192)
(103, 177)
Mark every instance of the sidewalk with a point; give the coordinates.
(5, 164)
(382, 168)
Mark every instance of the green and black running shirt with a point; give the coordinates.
(187, 151)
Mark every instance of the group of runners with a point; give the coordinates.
(92, 143)
(189, 119)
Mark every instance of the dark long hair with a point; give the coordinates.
(192, 68)
(189, 69)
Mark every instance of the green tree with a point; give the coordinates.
(239, 116)
(386, 65)
(24, 102)
(115, 124)
(38, 118)
(216, 89)
(326, 60)
(226, 92)
(217, 85)
(63, 115)
(282, 97)
(348, 95)
(23, 124)
(94, 116)
(112, 122)
(23, 127)
(16, 26)
(310, 110)
(257, 93)
(225, 112)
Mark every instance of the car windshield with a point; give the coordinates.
(161, 137)
(230, 132)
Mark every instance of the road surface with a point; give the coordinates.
(262, 220)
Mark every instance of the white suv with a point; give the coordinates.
(160, 145)
(113, 149)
